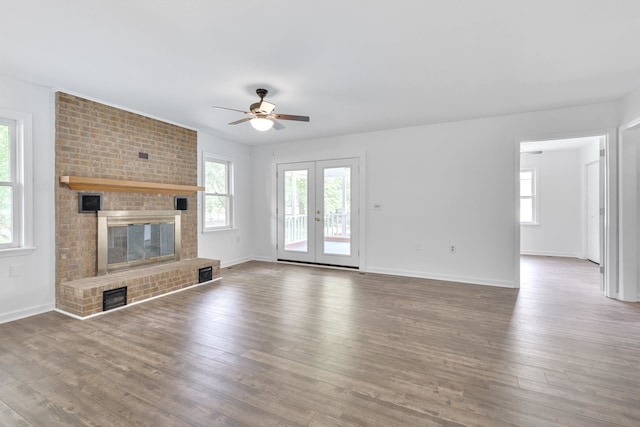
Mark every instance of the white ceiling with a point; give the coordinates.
(353, 66)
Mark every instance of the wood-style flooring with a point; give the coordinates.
(287, 345)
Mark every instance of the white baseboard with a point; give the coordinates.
(553, 254)
(26, 312)
(443, 277)
(235, 262)
(425, 275)
(262, 258)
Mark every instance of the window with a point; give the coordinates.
(16, 183)
(10, 186)
(527, 196)
(218, 193)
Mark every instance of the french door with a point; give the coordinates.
(318, 219)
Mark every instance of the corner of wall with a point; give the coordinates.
(629, 107)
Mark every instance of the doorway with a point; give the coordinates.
(567, 186)
(317, 212)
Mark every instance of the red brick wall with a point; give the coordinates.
(95, 140)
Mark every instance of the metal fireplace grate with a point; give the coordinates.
(114, 298)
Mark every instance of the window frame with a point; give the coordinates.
(20, 146)
(533, 197)
(228, 162)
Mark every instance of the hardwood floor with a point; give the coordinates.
(287, 345)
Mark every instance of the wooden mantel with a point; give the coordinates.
(103, 184)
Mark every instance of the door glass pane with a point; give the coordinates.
(296, 185)
(6, 214)
(337, 210)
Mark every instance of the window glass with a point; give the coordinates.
(526, 183)
(216, 177)
(218, 197)
(217, 211)
(527, 196)
(526, 210)
(9, 215)
(6, 215)
(5, 154)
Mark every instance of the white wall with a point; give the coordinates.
(33, 290)
(451, 183)
(629, 212)
(630, 107)
(235, 245)
(558, 231)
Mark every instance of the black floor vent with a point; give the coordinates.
(205, 274)
(114, 298)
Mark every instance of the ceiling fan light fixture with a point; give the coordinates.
(261, 115)
(261, 124)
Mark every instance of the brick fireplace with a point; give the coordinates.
(99, 141)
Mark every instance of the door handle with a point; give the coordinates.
(317, 219)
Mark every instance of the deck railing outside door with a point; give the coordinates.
(335, 226)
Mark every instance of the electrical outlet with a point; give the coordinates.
(15, 270)
(452, 249)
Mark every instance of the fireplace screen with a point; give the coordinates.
(130, 238)
(137, 242)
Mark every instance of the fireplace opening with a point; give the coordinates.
(114, 298)
(128, 239)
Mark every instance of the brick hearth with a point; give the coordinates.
(83, 297)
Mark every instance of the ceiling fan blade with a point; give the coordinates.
(237, 122)
(277, 125)
(290, 117)
(231, 109)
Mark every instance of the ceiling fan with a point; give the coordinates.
(261, 114)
